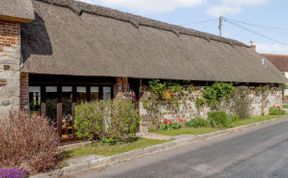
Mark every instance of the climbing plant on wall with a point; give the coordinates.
(216, 94)
(163, 93)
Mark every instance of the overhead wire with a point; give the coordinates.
(254, 32)
(277, 30)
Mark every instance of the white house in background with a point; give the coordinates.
(281, 62)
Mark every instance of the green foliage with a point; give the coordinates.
(219, 119)
(157, 87)
(162, 93)
(217, 93)
(242, 102)
(109, 121)
(90, 119)
(172, 126)
(124, 121)
(276, 111)
(199, 103)
(198, 122)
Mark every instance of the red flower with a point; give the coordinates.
(165, 121)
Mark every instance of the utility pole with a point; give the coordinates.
(220, 25)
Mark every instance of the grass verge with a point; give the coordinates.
(109, 150)
(188, 130)
(199, 131)
(254, 120)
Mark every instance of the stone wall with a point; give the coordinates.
(188, 110)
(9, 67)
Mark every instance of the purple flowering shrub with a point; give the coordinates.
(12, 173)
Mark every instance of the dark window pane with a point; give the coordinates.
(107, 93)
(81, 94)
(67, 119)
(34, 99)
(51, 103)
(94, 93)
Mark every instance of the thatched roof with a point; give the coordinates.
(73, 38)
(279, 60)
(16, 10)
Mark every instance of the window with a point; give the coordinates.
(81, 94)
(34, 98)
(51, 103)
(94, 93)
(67, 118)
(107, 93)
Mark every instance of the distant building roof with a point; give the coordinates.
(280, 61)
(16, 10)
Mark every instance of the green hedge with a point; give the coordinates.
(108, 121)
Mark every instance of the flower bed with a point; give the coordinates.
(172, 124)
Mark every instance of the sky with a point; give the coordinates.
(262, 21)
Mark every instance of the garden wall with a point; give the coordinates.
(259, 103)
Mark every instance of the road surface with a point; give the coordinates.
(257, 153)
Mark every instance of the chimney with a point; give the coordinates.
(253, 45)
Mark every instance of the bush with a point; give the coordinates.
(276, 110)
(110, 121)
(197, 123)
(124, 121)
(13, 173)
(219, 119)
(217, 93)
(29, 142)
(90, 119)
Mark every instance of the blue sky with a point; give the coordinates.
(262, 13)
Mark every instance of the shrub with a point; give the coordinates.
(13, 173)
(276, 110)
(197, 123)
(242, 102)
(29, 142)
(217, 93)
(90, 119)
(219, 119)
(110, 121)
(124, 121)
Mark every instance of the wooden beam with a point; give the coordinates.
(73, 120)
(43, 109)
(59, 119)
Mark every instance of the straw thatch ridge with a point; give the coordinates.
(97, 41)
(16, 10)
(80, 7)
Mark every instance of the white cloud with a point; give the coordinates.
(221, 10)
(147, 6)
(88, 1)
(231, 7)
(272, 48)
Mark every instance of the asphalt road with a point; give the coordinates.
(257, 153)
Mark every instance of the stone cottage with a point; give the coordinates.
(57, 53)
